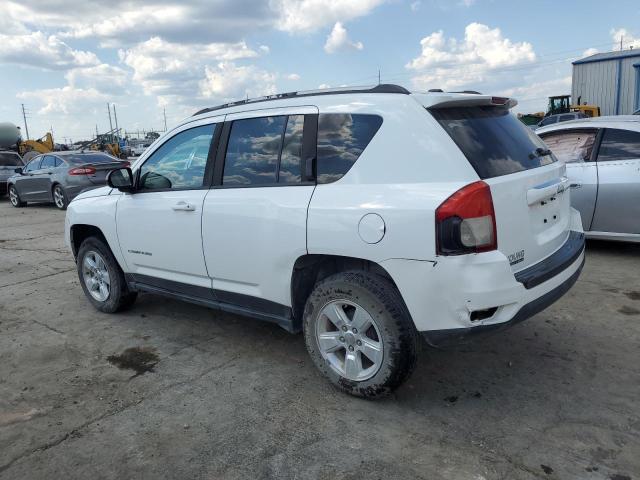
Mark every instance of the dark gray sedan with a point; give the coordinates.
(58, 177)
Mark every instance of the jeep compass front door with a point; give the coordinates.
(159, 226)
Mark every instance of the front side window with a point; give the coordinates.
(619, 145)
(180, 162)
(253, 150)
(566, 118)
(571, 146)
(342, 138)
(33, 165)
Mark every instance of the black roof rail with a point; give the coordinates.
(470, 92)
(382, 88)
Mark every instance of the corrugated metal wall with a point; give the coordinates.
(596, 83)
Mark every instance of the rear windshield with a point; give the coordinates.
(10, 159)
(90, 158)
(494, 141)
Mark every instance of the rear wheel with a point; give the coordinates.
(60, 197)
(359, 333)
(101, 278)
(14, 198)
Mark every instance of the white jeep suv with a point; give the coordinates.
(364, 218)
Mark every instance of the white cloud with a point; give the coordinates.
(293, 76)
(227, 81)
(66, 100)
(264, 49)
(164, 68)
(415, 6)
(451, 63)
(338, 40)
(322, 86)
(309, 15)
(628, 39)
(103, 77)
(590, 51)
(47, 52)
(467, 3)
(538, 92)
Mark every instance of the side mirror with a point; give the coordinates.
(18, 170)
(121, 179)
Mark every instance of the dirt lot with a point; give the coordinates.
(213, 395)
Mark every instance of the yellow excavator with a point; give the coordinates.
(44, 144)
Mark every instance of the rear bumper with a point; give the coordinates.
(454, 297)
(455, 336)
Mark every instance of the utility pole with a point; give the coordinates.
(115, 116)
(378, 76)
(164, 112)
(97, 134)
(621, 37)
(110, 124)
(24, 117)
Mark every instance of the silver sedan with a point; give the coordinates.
(58, 177)
(602, 156)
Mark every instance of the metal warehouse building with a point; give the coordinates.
(610, 80)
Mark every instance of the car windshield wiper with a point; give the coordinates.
(539, 152)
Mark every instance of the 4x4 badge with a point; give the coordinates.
(516, 257)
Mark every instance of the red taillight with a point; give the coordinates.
(125, 164)
(466, 221)
(499, 100)
(82, 171)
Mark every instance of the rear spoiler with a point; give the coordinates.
(448, 100)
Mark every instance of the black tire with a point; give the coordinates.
(382, 301)
(16, 201)
(62, 201)
(120, 298)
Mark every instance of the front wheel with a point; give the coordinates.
(60, 197)
(101, 277)
(359, 334)
(14, 197)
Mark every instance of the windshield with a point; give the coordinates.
(494, 141)
(10, 159)
(90, 158)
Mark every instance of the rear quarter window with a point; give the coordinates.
(342, 138)
(494, 141)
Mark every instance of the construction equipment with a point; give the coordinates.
(41, 145)
(562, 104)
(106, 142)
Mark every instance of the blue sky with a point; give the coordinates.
(65, 59)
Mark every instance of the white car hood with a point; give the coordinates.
(94, 192)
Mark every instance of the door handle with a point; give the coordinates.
(184, 207)
(575, 185)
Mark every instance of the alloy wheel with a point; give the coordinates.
(96, 276)
(58, 197)
(13, 196)
(349, 340)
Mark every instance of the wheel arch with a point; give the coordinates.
(309, 269)
(80, 232)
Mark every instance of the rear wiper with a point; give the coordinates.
(539, 152)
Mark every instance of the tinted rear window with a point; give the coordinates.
(90, 158)
(494, 141)
(10, 159)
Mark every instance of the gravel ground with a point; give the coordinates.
(171, 390)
